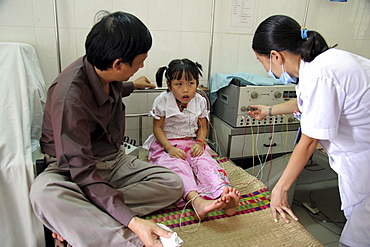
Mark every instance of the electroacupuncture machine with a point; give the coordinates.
(238, 135)
(234, 101)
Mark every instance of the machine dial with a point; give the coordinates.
(277, 94)
(254, 95)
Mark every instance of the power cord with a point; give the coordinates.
(321, 218)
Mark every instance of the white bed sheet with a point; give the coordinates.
(22, 98)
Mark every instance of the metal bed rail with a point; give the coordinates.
(140, 116)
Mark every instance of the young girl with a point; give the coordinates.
(178, 143)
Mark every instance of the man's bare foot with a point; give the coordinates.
(59, 243)
(234, 197)
(57, 236)
(203, 206)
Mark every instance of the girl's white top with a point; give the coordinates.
(177, 124)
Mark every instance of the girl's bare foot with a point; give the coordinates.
(203, 206)
(234, 197)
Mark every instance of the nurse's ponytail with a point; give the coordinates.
(313, 46)
(282, 33)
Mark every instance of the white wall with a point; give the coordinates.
(180, 28)
(346, 24)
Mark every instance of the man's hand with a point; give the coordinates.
(148, 232)
(143, 83)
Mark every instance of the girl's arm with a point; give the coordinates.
(202, 129)
(198, 148)
(159, 134)
(162, 139)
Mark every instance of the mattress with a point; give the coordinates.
(252, 225)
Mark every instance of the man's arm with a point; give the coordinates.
(73, 150)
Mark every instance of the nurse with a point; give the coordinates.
(333, 97)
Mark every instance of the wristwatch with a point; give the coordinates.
(270, 110)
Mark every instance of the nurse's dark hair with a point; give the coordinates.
(117, 35)
(178, 68)
(282, 33)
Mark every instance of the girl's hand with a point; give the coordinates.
(175, 152)
(197, 149)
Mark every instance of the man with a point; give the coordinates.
(92, 192)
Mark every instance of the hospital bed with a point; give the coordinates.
(22, 98)
(252, 225)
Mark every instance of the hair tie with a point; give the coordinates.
(304, 32)
(166, 66)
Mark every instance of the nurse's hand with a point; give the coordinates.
(279, 205)
(259, 112)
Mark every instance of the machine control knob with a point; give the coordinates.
(277, 94)
(254, 95)
(243, 108)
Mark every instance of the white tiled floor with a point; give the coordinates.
(318, 184)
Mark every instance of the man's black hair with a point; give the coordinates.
(117, 35)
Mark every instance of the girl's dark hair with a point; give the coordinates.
(117, 35)
(177, 69)
(282, 33)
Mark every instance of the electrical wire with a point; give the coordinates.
(286, 136)
(252, 151)
(243, 146)
(268, 151)
(320, 221)
(218, 143)
(195, 211)
(256, 145)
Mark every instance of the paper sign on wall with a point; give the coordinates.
(241, 16)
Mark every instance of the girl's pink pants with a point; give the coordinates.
(202, 174)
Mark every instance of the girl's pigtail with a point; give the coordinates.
(159, 76)
(199, 68)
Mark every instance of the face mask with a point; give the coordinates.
(284, 78)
